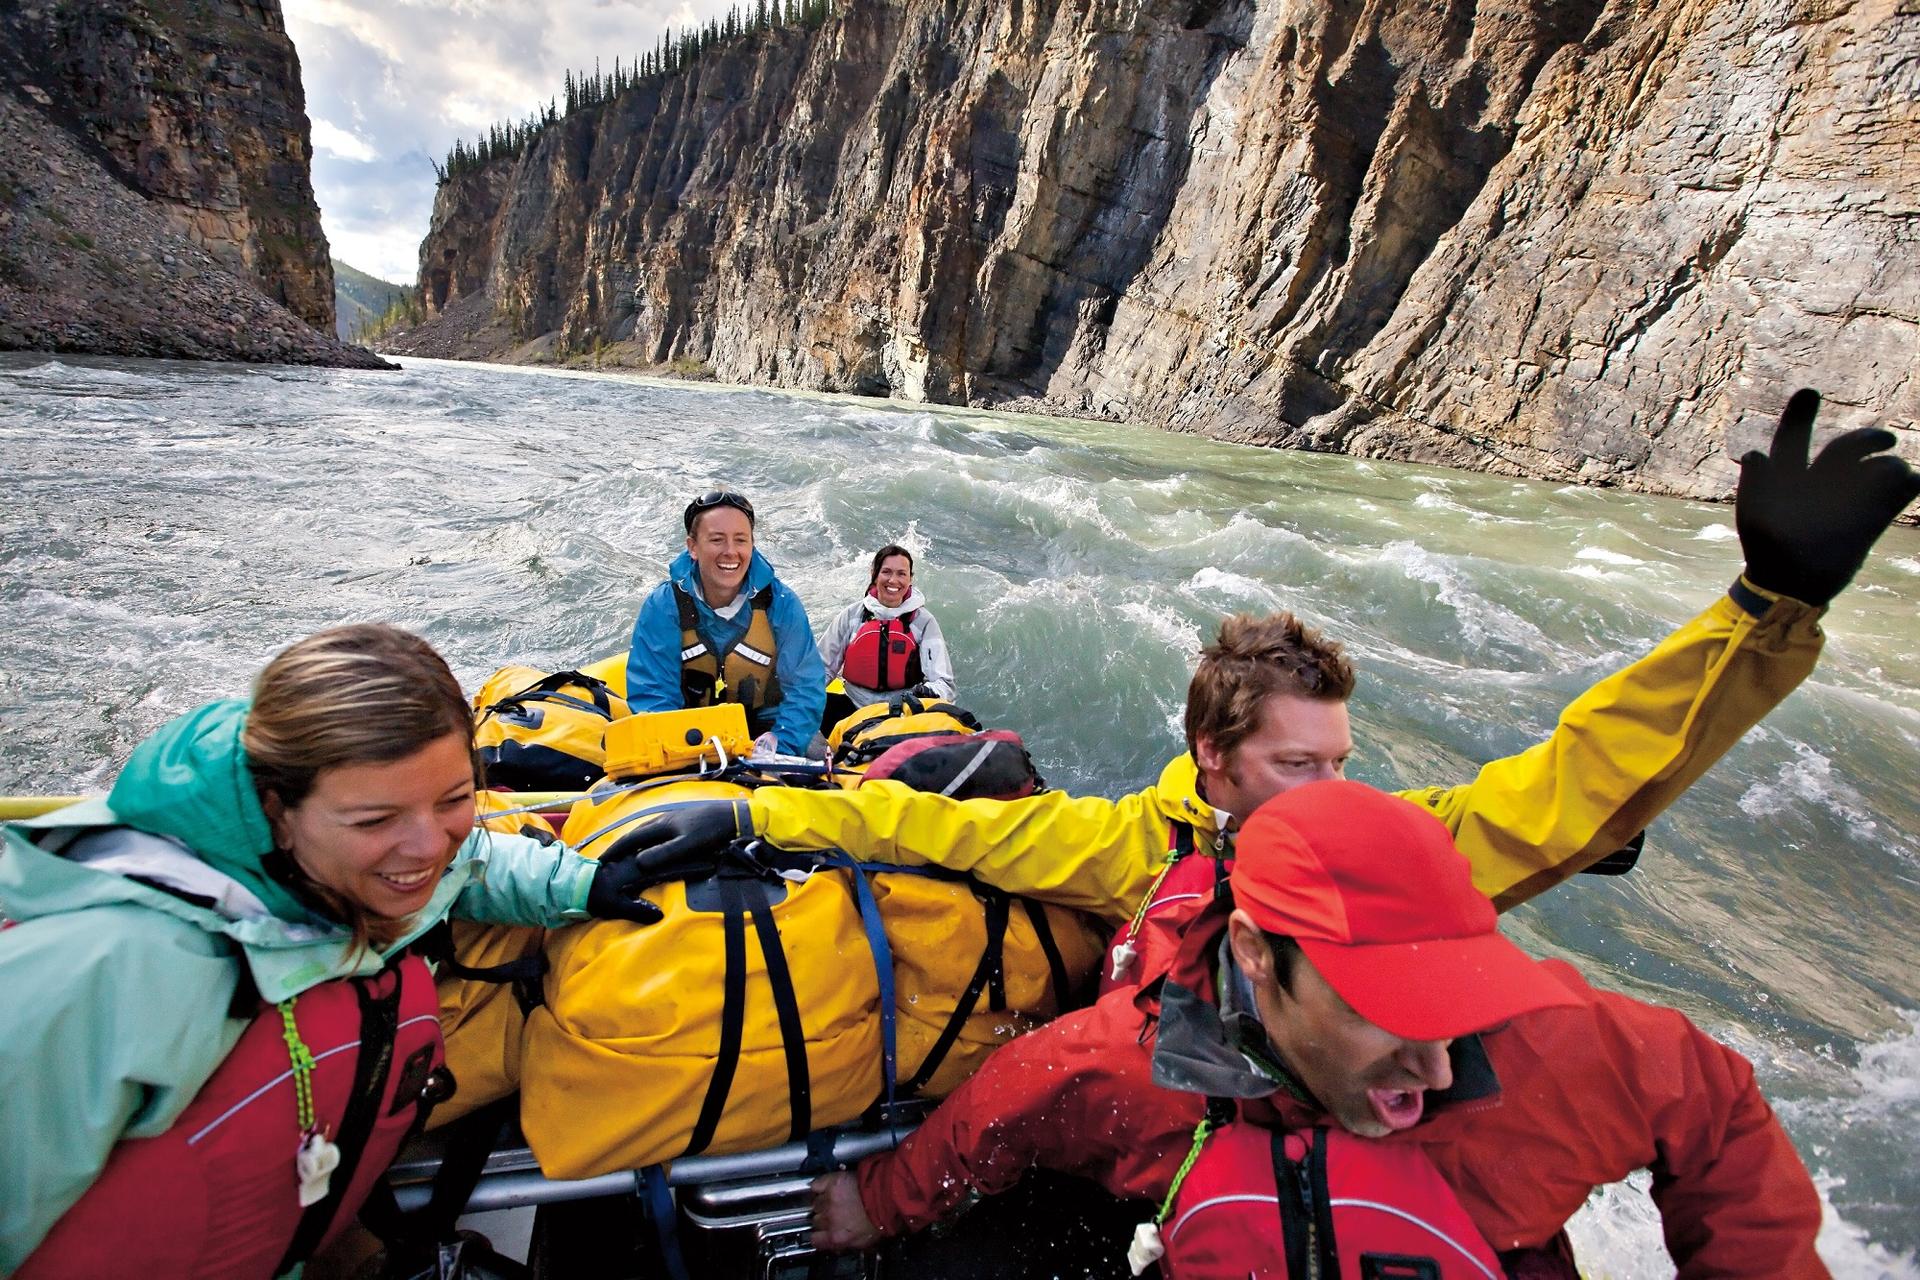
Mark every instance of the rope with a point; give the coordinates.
(302, 1058)
(1200, 1135)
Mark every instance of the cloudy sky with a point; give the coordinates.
(391, 83)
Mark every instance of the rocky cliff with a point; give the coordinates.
(195, 108)
(1566, 238)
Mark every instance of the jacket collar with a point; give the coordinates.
(877, 610)
(1178, 791)
(683, 573)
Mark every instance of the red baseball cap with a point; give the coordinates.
(1383, 905)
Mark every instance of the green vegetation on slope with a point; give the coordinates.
(360, 301)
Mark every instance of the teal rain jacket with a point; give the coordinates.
(118, 992)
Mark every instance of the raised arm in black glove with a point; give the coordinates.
(681, 842)
(1806, 528)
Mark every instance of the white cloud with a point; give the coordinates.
(411, 76)
(330, 137)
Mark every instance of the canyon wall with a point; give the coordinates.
(194, 108)
(1580, 240)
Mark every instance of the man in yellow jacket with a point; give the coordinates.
(1267, 711)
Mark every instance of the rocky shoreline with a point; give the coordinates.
(88, 266)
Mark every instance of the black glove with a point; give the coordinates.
(615, 894)
(679, 843)
(1805, 529)
(925, 692)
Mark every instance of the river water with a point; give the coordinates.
(168, 526)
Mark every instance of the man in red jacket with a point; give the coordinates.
(1356, 981)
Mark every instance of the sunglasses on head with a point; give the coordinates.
(717, 498)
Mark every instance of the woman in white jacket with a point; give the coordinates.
(888, 642)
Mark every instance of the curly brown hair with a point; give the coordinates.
(1252, 660)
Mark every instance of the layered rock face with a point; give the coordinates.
(196, 104)
(1566, 238)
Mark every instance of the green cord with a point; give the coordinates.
(1200, 1135)
(302, 1065)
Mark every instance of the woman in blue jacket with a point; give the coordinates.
(723, 628)
(215, 1036)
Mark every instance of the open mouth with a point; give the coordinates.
(1397, 1108)
(410, 882)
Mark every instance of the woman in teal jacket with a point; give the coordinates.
(247, 853)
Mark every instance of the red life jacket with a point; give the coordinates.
(1319, 1202)
(1153, 935)
(216, 1194)
(883, 653)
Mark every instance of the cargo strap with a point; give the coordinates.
(650, 1184)
(526, 975)
(991, 971)
(737, 907)
(989, 974)
(412, 1237)
(547, 689)
(883, 970)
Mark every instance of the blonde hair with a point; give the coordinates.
(361, 694)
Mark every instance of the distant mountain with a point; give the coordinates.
(359, 299)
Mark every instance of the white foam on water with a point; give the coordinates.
(1717, 533)
(1439, 502)
(1616, 1236)
(1809, 779)
(1604, 556)
(1905, 564)
(1066, 497)
(1165, 625)
(1847, 1251)
(1213, 583)
(1480, 619)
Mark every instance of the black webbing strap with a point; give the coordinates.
(991, 962)
(379, 1023)
(786, 1005)
(470, 1140)
(526, 975)
(1050, 947)
(733, 1013)
(546, 689)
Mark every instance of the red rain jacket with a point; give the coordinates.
(1588, 1093)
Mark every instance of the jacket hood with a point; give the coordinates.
(189, 782)
(686, 575)
(913, 601)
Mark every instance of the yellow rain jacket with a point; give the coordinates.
(1621, 753)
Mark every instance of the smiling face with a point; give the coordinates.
(1371, 1082)
(893, 582)
(1298, 740)
(381, 835)
(721, 545)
